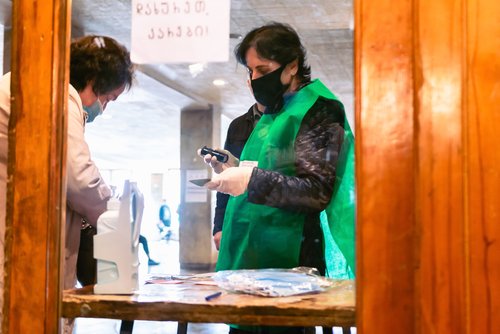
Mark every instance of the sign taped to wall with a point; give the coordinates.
(173, 31)
(195, 194)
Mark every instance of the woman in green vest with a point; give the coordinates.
(287, 171)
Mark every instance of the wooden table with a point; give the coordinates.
(185, 302)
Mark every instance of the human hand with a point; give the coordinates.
(217, 238)
(217, 166)
(232, 181)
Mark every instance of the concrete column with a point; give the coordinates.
(199, 126)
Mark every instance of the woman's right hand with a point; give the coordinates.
(217, 166)
(217, 237)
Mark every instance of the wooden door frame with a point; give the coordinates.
(36, 192)
(428, 160)
(427, 155)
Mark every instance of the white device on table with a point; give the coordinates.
(116, 243)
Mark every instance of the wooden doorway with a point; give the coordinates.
(427, 97)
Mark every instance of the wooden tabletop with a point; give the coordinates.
(185, 302)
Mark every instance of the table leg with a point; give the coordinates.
(127, 326)
(182, 327)
(346, 330)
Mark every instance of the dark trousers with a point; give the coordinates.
(144, 242)
(86, 265)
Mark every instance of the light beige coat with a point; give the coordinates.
(87, 193)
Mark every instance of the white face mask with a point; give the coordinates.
(94, 110)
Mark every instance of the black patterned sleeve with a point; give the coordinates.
(317, 148)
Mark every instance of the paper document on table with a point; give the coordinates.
(199, 279)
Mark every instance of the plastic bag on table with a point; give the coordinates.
(273, 282)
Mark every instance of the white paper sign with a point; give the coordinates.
(174, 31)
(194, 193)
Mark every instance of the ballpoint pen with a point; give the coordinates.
(213, 296)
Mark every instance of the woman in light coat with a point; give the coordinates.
(100, 70)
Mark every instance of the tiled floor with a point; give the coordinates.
(167, 253)
(105, 326)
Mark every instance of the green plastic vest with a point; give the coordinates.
(258, 236)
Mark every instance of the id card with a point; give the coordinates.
(248, 163)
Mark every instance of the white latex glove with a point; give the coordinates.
(217, 166)
(232, 181)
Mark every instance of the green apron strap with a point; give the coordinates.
(339, 218)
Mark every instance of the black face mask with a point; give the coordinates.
(268, 89)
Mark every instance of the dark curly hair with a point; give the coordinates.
(101, 61)
(278, 42)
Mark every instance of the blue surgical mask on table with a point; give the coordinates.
(94, 110)
(268, 89)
